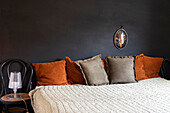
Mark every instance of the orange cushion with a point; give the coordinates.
(152, 66)
(104, 64)
(147, 67)
(139, 68)
(50, 73)
(73, 72)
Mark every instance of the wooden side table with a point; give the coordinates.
(8, 101)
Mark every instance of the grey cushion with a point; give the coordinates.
(93, 71)
(79, 61)
(120, 69)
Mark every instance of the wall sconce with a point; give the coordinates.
(120, 38)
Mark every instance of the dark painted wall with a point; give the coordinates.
(46, 30)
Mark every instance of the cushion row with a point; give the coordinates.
(92, 71)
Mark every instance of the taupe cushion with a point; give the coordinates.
(93, 71)
(120, 69)
(79, 61)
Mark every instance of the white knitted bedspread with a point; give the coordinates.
(146, 96)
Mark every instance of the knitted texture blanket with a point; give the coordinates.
(146, 96)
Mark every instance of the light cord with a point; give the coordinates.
(25, 105)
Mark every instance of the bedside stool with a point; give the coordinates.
(17, 105)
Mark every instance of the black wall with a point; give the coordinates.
(46, 30)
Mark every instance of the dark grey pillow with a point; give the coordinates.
(120, 69)
(93, 71)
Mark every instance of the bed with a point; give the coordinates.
(146, 96)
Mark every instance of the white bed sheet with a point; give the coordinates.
(146, 96)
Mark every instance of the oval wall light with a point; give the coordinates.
(120, 38)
